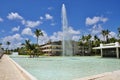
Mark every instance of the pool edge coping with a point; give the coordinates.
(97, 76)
(25, 73)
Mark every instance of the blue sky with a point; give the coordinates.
(20, 18)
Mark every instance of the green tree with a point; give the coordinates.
(112, 40)
(38, 33)
(96, 41)
(8, 44)
(31, 49)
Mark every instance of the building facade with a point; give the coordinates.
(55, 48)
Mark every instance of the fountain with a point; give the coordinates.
(67, 41)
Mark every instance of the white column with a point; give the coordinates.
(101, 45)
(101, 52)
(117, 52)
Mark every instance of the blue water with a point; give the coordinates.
(66, 68)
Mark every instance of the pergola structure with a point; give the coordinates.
(109, 47)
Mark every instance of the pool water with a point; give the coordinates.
(66, 68)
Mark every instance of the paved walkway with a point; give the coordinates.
(8, 71)
(115, 75)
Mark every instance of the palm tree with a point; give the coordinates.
(96, 41)
(119, 32)
(107, 33)
(103, 33)
(8, 43)
(96, 38)
(27, 46)
(0, 44)
(38, 33)
(31, 48)
(88, 37)
(83, 38)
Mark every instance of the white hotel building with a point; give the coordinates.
(55, 48)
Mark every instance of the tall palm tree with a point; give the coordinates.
(83, 38)
(38, 33)
(0, 44)
(104, 34)
(107, 33)
(96, 41)
(119, 32)
(8, 43)
(95, 37)
(88, 37)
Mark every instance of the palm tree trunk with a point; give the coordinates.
(37, 40)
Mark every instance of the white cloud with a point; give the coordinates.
(75, 38)
(43, 39)
(48, 17)
(1, 20)
(72, 31)
(101, 37)
(13, 16)
(90, 21)
(103, 19)
(112, 34)
(31, 24)
(52, 24)
(50, 8)
(23, 22)
(15, 41)
(57, 36)
(96, 29)
(27, 31)
(41, 18)
(16, 29)
(94, 20)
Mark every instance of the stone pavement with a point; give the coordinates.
(115, 75)
(8, 71)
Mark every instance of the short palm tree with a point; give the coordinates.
(38, 33)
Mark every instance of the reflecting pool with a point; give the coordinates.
(66, 68)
